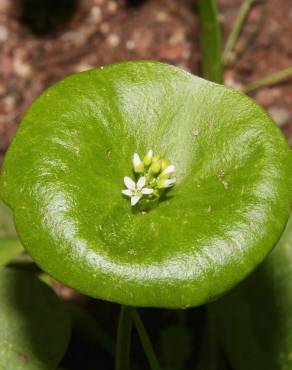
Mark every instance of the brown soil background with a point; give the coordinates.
(38, 48)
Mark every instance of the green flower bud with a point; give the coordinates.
(155, 167)
(148, 158)
(156, 158)
(138, 164)
(164, 164)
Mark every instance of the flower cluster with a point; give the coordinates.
(154, 174)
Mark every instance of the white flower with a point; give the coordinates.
(136, 191)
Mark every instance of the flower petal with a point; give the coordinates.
(141, 182)
(147, 191)
(170, 169)
(127, 192)
(130, 184)
(165, 183)
(136, 160)
(170, 182)
(135, 199)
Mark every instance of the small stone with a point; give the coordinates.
(280, 115)
(104, 27)
(113, 40)
(96, 13)
(161, 17)
(21, 68)
(8, 103)
(3, 33)
(230, 82)
(268, 95)
(177, 37)
(130, 44)
(112, 6)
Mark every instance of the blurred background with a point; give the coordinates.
(42, 41)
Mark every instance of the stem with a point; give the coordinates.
(236, 29)
(148, 349)
(210, 41)
(268, 80)
(123, 344)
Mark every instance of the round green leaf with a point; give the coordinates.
(63, 177)
(255, 320)
(34, 327)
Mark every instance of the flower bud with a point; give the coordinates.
(164, 164)
(156, 158)
(155, 167)
(165, 183)
(138, 164)
(148, 158)
(167, 172)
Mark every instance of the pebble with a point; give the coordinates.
(21, 68)
(268, 95)
(161, 17)
(230, 82)
(8, 103)
(104, 27)
(3, 33)
(112, 6)
(96, 13)
(113, 40)
(130, 44)
(280, 115)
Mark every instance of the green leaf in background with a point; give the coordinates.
(175, 347)
(64, 171)
(254, 321)
(10, 247)
(212, 68)
(211, 356)
(6, 222)
(34, 326)
(90, 330)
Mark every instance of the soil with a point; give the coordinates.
(42, 42)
